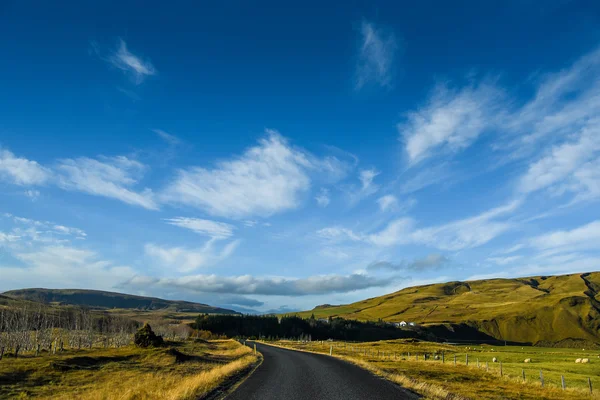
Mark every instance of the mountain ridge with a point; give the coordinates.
(101, 299)
(536, 309)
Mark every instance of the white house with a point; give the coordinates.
(412, 324)
(400, 324)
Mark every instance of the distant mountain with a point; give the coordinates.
(551, 310)
(109, 300)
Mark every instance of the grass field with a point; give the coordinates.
(181, 370)
(443, 380)
(525, 310)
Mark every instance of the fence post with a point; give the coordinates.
(443, 357)
(331, 350)
(562, 381)
(500, 368)
(254, 348)
(478, 363)
(590, 384)
(467, 359)
(523, 374)
(455, 360)
(487, 367)
(541, 378)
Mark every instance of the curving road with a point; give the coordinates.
(294, 375)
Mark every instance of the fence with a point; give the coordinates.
(497, 367)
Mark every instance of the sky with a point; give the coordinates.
(266, 156)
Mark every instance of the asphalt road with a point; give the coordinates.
(293, 375)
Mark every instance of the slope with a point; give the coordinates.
(111, 300)
(538, 310)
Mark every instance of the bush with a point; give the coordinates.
(145, 337)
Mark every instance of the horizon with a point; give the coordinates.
(274, 158)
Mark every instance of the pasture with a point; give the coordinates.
(429, 368)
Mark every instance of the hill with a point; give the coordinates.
(545, 310)
(102, 300)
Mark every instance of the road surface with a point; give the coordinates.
(294, 375)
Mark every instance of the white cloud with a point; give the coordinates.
(109, 177)
(457, 235)
(66, 230)
(564, 102)
(322, 198)
(396, 232)
(213, 229)
(167, 137)
(585, 237)
(571, 162)
(337, 233)
(41, 231)
(504, 260)
(266, 179)
(124, 60)
(387, 202)
(376, 56)
(60, 266)
(366, 177)
(469, 232)
(268, 286)
(21, 171)
(32, 194)
(185, 260)
(452, 119)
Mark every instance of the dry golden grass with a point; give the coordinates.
(181, 371)
(437, 380)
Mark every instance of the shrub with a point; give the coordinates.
(145, 337)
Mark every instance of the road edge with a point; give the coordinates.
(232, 383)
(372, 370)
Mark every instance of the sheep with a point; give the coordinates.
(585, 360)
(527, 360)
(494, 359)
(578, 361)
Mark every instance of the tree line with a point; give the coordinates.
(42, 328)
(265, 327)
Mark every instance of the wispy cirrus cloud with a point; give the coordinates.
(387, 202)
(138, 68)
(167, 137)
(213, 229)
(585, 237)
(22, 171)
(457, 235)
(322, 197)
(571, 166)
(266, 179)
(377, 53)
(451, 120)
(59, 266)
(564, 103)
(111, 177)
(185, 259)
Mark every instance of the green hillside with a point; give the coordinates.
(110, 300)
(557, 310)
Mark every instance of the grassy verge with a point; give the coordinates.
(443, 380)
(180, 371)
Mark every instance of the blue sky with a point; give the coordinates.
(272, 157)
